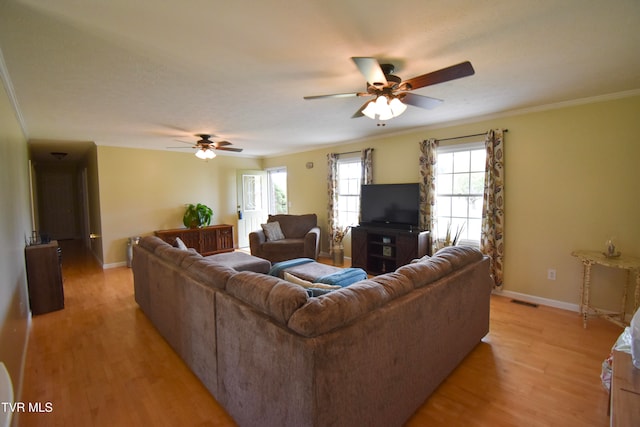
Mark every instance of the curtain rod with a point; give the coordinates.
(350, 152)
(467, 136)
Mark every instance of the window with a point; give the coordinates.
(460, 188)
(349, 172)
(277, 185)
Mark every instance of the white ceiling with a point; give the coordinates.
(144, 73)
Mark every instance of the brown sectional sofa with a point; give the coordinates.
(368, 354)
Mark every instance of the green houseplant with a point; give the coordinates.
(197, 216)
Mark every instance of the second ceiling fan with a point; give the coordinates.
(391, 93)
(205, 147)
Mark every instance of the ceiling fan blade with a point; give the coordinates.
(336, 95)
(457, 71)
(370, 69)
(181, 148)
(421, 101)
(221, 144)
(359, 113)
(237, 150)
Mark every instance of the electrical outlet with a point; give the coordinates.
(551, 274)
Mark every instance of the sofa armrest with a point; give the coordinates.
(256, 239)
(312, 243)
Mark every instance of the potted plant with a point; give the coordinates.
(450, 240)
(197, 216)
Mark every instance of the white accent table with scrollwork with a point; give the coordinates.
(629, 263)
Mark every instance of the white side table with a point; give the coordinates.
(625, 262)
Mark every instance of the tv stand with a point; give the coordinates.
(380, 250)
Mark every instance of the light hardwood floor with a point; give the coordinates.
(101, 363)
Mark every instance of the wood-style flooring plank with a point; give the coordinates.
(100, 362)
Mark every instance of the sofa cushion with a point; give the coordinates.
(426, 271)
(341, 307)
(459, 256)
(295, 226)
(272, 231)
(270, 295)
(213, 275)
(151, 242)
(240, 261)
(190, 259)
(171, 254)
(284, 246)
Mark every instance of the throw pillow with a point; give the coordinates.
(180, 244)
(272, 231)
(306, 284)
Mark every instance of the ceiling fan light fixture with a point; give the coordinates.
(397, 107)
(383, 109)
(201, 154)
(370, 110)
(210, 154)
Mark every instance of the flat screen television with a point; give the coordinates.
(390, 205)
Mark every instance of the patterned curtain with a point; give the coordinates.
(492, 235)
(428, 218)
(366, 159)
(332, 190)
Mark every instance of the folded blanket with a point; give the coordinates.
(344, 277)
(277, 268)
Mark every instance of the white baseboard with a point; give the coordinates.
(539, 300)
(114, 265)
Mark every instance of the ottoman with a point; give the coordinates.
(241, 261)
(312, 271)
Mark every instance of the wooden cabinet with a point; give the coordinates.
(44, 277)
(381, 250)
(206, 240)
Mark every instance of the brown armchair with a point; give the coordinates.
(301, 238)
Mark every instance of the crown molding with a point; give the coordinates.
(8, 85)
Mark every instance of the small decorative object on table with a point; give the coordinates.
(611, 250)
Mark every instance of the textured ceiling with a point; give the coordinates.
(144, 73)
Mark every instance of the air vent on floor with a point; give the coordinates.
(528, 304)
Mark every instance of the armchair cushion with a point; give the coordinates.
(272, 231)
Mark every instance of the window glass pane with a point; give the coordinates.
(444, 164)
(444, 183)
(461, 183)
(478, 158)
(444, 206)
(460, 174)
(473, 229)
(461, 161)
(475, 207)
(348, 191)
(459, 206)
(477, 183)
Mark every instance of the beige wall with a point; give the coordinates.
(571, 182)
(146, 190)
(15, 226)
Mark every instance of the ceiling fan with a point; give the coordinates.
(206, 147)
(391, 93)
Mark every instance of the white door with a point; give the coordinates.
(252, 203)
